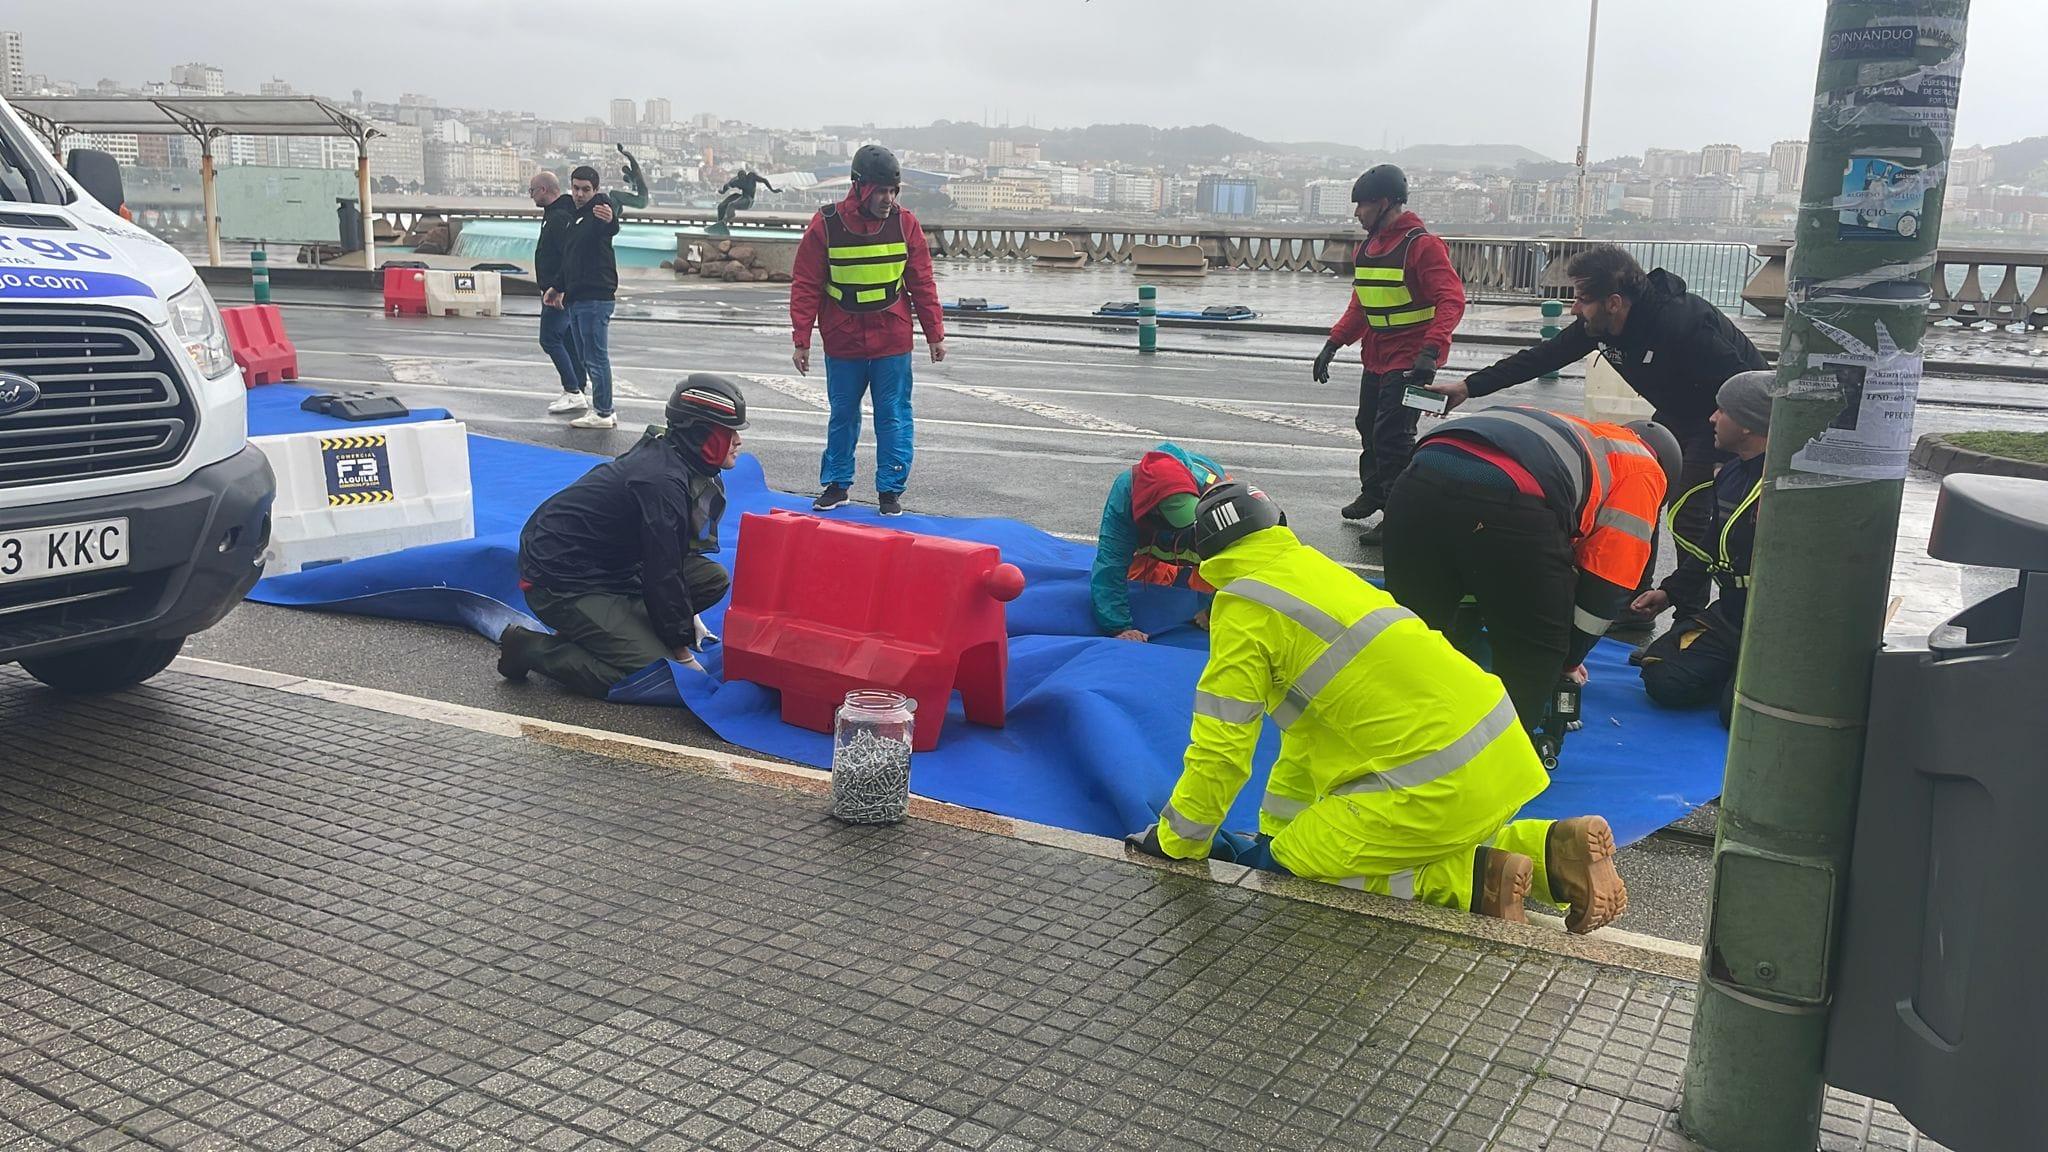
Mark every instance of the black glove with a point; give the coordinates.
(1424, 371)
(1323, 358)
(1147, 842)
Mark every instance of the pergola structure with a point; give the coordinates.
(206, 119)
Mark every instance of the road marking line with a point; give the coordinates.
(793, 388)
(412, 370)
(1248, 412)
(1072, 417)
(1607, 945)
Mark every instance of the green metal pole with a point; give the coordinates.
(1553, 312)
(1148, 319)
(1841, 425)
(259, 274)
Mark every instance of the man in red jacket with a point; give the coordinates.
(862, 269)
(1406, 300)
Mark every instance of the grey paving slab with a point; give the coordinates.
(236, 917)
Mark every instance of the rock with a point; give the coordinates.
(732, 273)
(724, 246)
(435, 242)
(668, 265)
(779, 277)
(744, 253)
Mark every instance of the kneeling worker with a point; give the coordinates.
(1400, 761)
(1544, 519)
(1694, 662)
(1146, 527)
(619, 563)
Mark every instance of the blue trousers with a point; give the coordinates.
(846, 381)
(592, 321)
(558, 340)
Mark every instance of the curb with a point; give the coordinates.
(1608, 946)
(1935, 453)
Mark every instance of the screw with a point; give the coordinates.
(1766, 971)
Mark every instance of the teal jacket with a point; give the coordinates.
(1117, 543)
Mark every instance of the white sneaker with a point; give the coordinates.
(571, 402)
(593, 420)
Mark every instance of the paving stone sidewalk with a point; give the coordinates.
(234, 917)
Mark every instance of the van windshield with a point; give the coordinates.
(26, 173)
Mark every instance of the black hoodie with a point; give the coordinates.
(554, 236)
(589, 270)
(1676, 350)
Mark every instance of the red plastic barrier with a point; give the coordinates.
(405, 291)
(820, 608)
(256, 337)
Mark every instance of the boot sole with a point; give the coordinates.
(1579, 856)
(1504, 886)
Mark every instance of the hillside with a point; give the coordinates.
(1188, 147)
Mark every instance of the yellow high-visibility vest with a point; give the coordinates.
(1381, 283)
(864, 271)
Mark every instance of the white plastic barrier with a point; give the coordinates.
(1609, 398)
(345, 495)
(463, 293)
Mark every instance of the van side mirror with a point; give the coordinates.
(99, 174)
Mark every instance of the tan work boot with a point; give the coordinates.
(1500, 883)
(1579, 856)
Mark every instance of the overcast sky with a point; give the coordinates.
(1671, 73)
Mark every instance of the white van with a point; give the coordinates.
(133, 512)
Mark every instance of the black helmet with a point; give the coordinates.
(703, 398)
(1381, 182)
(1229, 512)
(874, 164)
(1670, 456)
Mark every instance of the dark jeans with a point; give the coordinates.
(1689, 592)
(592, 320)
(1387, 429)
(558, 340)
(1447, 539)
(1694, 664)
(603, 637)
(734, 203)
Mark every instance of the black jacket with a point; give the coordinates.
(624, 528)
(1732, 486)
(589, 270)
(1676, 351)
(554, 237)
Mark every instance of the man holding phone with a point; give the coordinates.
(1406, 300)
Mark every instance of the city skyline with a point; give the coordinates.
(1678, 77)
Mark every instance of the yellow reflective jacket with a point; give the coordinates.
(1376, 707)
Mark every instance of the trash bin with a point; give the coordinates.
(1939, 1004)
(350, 217)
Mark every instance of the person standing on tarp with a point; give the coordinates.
(1401, 763)
(587, 286)
(862, 270)
(557, 336)
(1406, 300)
(1694, 662)
(740, 194)
(619, 563)
(1146, 535)
(1673, 347)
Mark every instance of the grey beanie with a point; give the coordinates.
(1746, 398)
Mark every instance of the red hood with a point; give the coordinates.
(1393, 232)
(1157, 476)
(851, 213)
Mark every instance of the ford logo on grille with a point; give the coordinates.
(17, 393)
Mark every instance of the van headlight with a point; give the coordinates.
(196, 320)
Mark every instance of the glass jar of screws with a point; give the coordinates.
(871, 756)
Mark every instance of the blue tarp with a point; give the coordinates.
(1096, 726)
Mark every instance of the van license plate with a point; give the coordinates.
(62, 550)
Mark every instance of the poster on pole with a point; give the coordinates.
(1871, 437)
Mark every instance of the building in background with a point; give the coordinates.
(1670, 163)
(1720, 160)
(273, 87)
(1788, 160)
(1327, 199)
(1227, 196)
(199, 80)
(659, 113)
(623, 114)
(13, 65)
(1004, 194)
(398, 151)
(1970, 167)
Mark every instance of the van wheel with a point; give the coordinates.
(107, 668)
